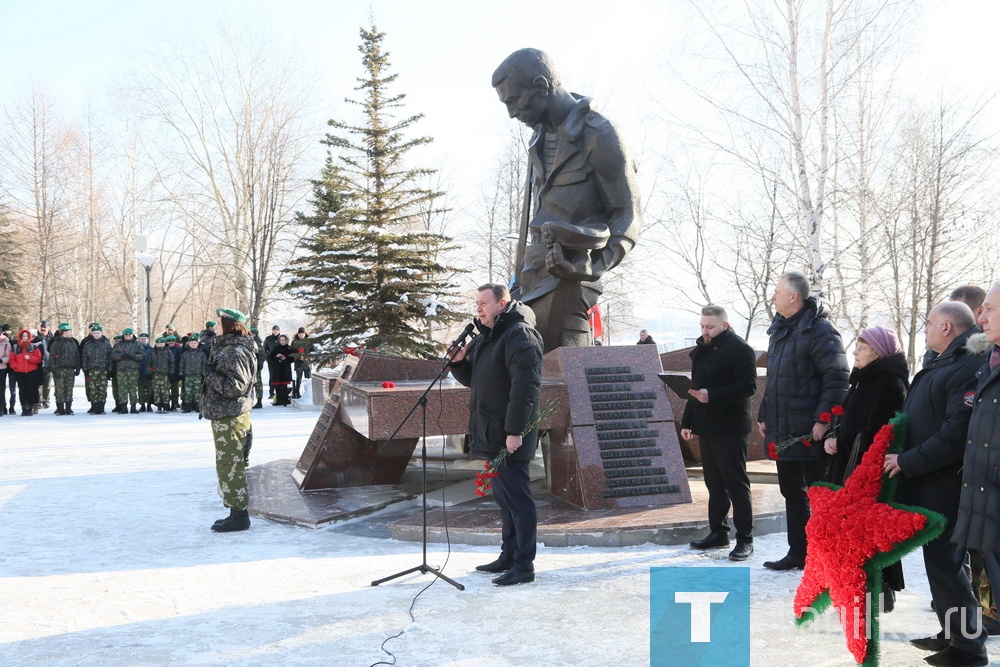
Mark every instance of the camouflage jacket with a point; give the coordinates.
(229, 377)
(161, 360)
(127, 355)
(193, 361)
(96, 355)
(64, 352)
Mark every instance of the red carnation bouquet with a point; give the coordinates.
(832, 418)
(491, 467)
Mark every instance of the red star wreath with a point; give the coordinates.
(854, 532)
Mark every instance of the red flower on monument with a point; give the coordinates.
(853, 533)
(388, 385)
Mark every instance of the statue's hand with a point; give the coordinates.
(579, 269)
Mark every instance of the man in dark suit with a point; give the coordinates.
(939, 406)
(723, 367)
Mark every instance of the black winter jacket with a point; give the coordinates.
(877, 393)
(64, 352)
(978, 524)
(727, 367)
(807, 374)
(939, 406)
(503, 366)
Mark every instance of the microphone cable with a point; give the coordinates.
(444, 512)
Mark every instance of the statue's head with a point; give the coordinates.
(525, 81)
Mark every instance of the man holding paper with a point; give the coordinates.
(724, 368)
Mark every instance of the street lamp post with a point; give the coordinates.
(147, 262)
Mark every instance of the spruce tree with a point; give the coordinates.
(369, 275)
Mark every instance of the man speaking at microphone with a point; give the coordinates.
(503, 367)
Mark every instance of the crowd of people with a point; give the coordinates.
(159, 374)
(946, 464)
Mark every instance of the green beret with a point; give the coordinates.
(254, 330)
(232, 314)
(144, 335)
(161, 339)
(118, 336)
(170, 325)
(193, 336)
(210, 324)
(129, 332)
(94, 326)
(169, 339)
(65, 326)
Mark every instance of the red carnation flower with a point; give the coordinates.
(480, 492)
(838, 410)
(806, 442)
(388, 385)
(772, 451)
(825, 417)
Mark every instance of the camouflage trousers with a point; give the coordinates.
(258, 387)
(47, 378)
(161, 389)
(128, 387)
(97, 386)
(229, 434)
(62, 380)
(981, 583)
(192, 388)
(145, 390)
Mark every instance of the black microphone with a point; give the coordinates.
(460, 341)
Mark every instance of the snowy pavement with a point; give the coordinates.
(106, 558)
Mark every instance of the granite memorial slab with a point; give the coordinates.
(621, 449)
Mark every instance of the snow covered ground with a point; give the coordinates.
(106, 558)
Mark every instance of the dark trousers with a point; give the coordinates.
(27, 386)
(7, 380)
(794, 477)
(958, 611)
(519, 518)
(724, 462)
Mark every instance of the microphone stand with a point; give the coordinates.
(423, 568)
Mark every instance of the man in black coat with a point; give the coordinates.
(503, 366)
(806, 376)
(271, 342)
(939, 406)
(724, 368)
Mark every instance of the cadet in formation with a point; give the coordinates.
(192, 371)
(64, 355)
(126, 355)
(161, 364)
(95, 358)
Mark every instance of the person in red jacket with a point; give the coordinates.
(26, 362)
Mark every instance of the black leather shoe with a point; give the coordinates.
(991, 625)
(497, 566)
(742, 551)
(514, 577)
(715, 540)
(956, 657)
(935, 643)
(789, 562)
(236, 521)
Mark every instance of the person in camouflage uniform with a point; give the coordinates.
(87, 340)
(95, 358)
(192, 369)
(145, 376)
(161, 365)
(113, 376)
(64, 355)
(175, 347)
(127, 355)
(258, 384)
(226, 400)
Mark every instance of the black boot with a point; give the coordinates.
(134, 411)
(93, 409)
(100, 409)
(59, 409)
(68, 408)
(258, 404)
(237, 520)
(148, 407)
(27, 411)
(185, 407)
